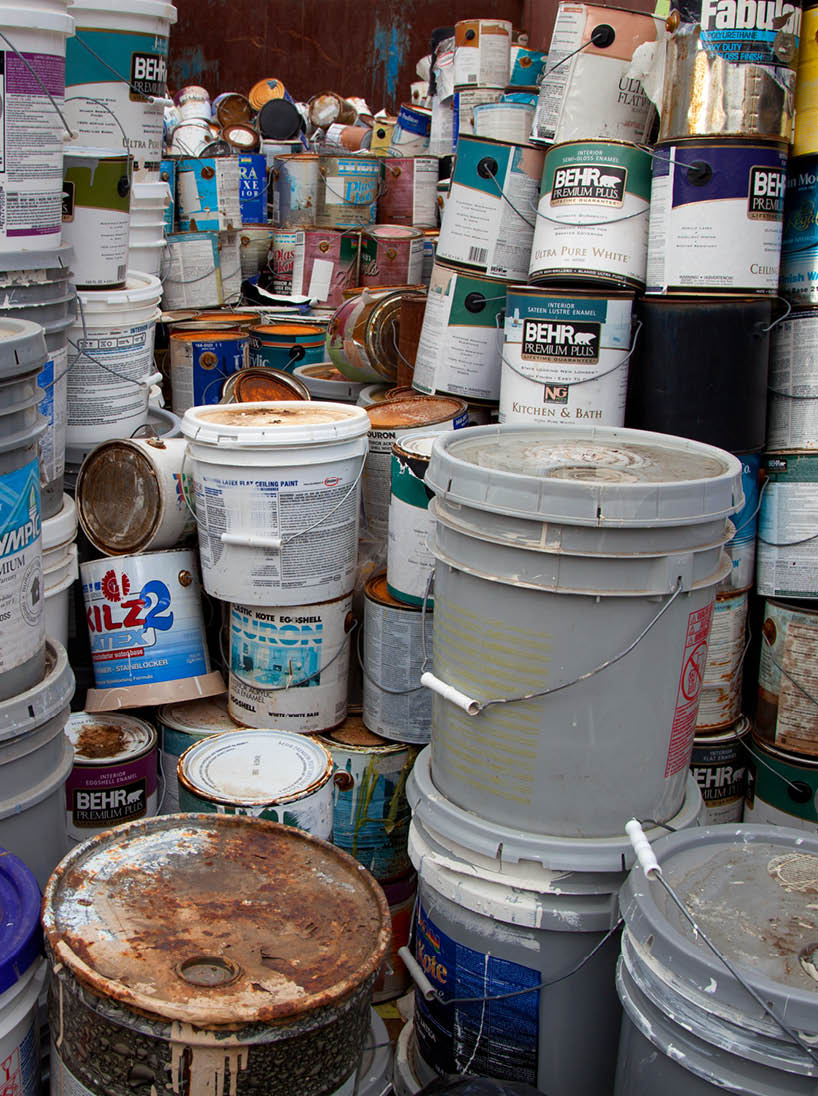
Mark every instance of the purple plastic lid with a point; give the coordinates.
(21, 938)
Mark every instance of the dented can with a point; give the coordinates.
(720, 697)
(719, 766)
(786, 717)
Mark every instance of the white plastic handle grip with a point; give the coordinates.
(642, 847)
(251, 540)
(448, 692)
(422, 983)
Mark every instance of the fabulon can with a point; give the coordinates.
(782, 790)
(792, 421)
(719, 764)
(787, 560)
(786, 713)
(315, 262)
(410, 562)
(180, 726)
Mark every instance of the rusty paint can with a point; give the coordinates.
(180, 726)
(787, 555)
(319, 263)
(348, 189)
(719, 766)
(259, 382)
(782, 788)
(239, 321)
(325, 382)
(799, 246)
(409, 195)
(391, 255)
(114, 778)
(720, 698)
(232, 109)
(295, 181)
(393, 979)
(482, 52)
(330, 108)
(241, 137)
(200, 363)
(221, 1009)
(363, 333)
(786, 717)
(792, 421)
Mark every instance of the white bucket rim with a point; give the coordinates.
(94, 152)
(62, 528)
(351, 423)
(37, 19)
(152, 8)
(144, 245)
(139, 289)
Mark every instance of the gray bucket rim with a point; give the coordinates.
(23, 439)
(42, 701)
(58, 259)
(23, 350)
(47, 786)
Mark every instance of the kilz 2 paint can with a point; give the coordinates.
(719, 766)
(208, 194)
(788, 523)
(391, 255)
(782, 789)
(786, 717)
(792, 421)
(200, 363)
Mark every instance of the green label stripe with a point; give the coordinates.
(97, 183)
(407, 486)
(771, 781)
(636, 160)
(796, 468)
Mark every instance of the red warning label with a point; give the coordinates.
(687, 695)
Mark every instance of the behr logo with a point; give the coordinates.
(547, 340)
(149, 71)
(765, 201)
(603, 185)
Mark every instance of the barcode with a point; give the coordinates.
(478, 254)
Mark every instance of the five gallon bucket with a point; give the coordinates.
(96, 215)
(60, 568)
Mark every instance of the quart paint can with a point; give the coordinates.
(277, 499)
(255, 242)
(787, 552)
(716, 216)
(22, 976)
(393, 979)
(409, 562)
(592, 218)
(391, 255)
(411, 132)
(793, 390)
(96, 208)
(565, 356)
(741, 549)
(464, 103)
(370, 809)
(252, 188)
(489, 222)
(586, 90)
(799, 246)
(274, 775)
(782, 788)
(719, 766)
(572, 575)
(207, 190)
(393, 659)
(317, 263)
(409, 194)
(285, 345)
(502, 121)
(720, 699)
(325, 382)
(114, 778)
(460, 344)
(786, 717)
(180, 726)
(294, 180)
(222, 1027)
(60, 568)
(289, 667)
(200, 363)
(482, 51)
(258, 383)
(144, 617)
(348, 190)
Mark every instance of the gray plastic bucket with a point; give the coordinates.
(555, 548)
(499, 910)
(689, 1027)
(35, 760)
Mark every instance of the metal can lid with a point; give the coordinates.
(118, 497)
(22, 347)
(279, 120)
(215, 920)
(103, 739)
(200, 717)
(257, 383)
(21, 939)
(415, 445)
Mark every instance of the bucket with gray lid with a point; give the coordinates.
(690, 1027)
(582, 562)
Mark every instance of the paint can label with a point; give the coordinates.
(389, 262)
(720, 770)
(720, 700)
(527, 66)
(742, 548)
(53, 382)
(22, 620)
(96, 217)
(410, 192)
(20, 1070)
(198, 369)
(113, 391)
(482, 53)
(98, 797)
(743, 32)
(793, 411)
(786, 715)
(393, 657)
(409, 558)
(788, 525)
(208, 192)
(689, 689)
(193, 279)
(504, 121)
(348, 195)
(464, 101)
(799, 248)
(252, 188)
(781, 792)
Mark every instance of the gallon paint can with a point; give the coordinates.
(503, 121)
(482, 51)
(719, 767)
(22, 977)
(258, 383)
(716, 216)
(464, 102)
(288, 535)
(180, 726)
(223, 1027)
(325, 382)
(788, 520)
(805, 136)
(96, 215)
(713, 388)
(200, 363)
(316, 263)
(289, 667)
(362, 337)
(294, 179)
(145, 627)
(243, 138)
(405, 1078)
(799, 247)
(232, 108)
(392, 660)
(207, 191)
(60, 568)
(114, 778)
(274, 775)
(565, 356)
(411, 132)
(489, 222)
(252, 188)
(586, 90)
(255, 241)
(782, 788)
(409, 195)
(370, 809)
(527, 67)
(592, 218)
(720, 699)
(786, 717)
(410, 562)
(191, 138)
(167, 174)
(391, 255)
(348, 190)
(598, 552)
(285, 345)
(394, 979)
(741, 549)
(793, 411)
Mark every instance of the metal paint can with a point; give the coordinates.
(289, 667)
(391, 255)
(719, 766)
(252, 188)
(482, 51)
(464, 103)
(273, 149)
(230, 108)
(200, 363)
(787, 562)
(230, 266)
(786, 717)
(382, 136)
(720, 698)
(741, 550)
(265, 90)
(286, 345)
(191, 138)
(565, 356)
(805, 138)
(255, 241)
(114, 778)
(370, 809)
(799, 246)
(193, 277)
(782, 789)
(208, 194)
(274, 775)
(527, 67)
(319, 263)
(393, 659)
(460, 344)
(792, 421)
(716, 217)
(489, 223)
(394, 979)
(503, 121)
(193, 101)
(348, 190)
(363, 333)
(325, 382)
(180, 726)
(586, 91)
(410, 562)
(411, 131)
(409, 195)
(242, 138)
(280, 120)
(258, 383)
(430, 238)
(592, 218)
(329, 107)
(295, 183)
(96, 207)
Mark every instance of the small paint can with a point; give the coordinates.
(208, 194)
(328, 108)
(586, 91)
(255, 241)
(393, 659)
(252, 188)
(592, 219)
(180, 726)
(265, 90)
(409, 194)
(348, 191)
(782, 789)
(382, 136)
(792, 421)
(191, 137)
(232, 109)
(325, 382)
(527, 67)
(410, 562)
(370, 809)
(319, 263)
(274, 775)
(719, 767)
(741, 549)
(787, 561)
(279, 120)
(565, 356)
(193, 101)
(502, 121)
(716, 216)
(410, 133)
(289, 667)
(720, 697)
(295, 181)
(285, 345)
(482, 51)
(460, 343)
(391, 255)
(799, 246)
(193, 276)
(464, 103)
(96, 206)
(786, 717)
(394, 979)
(259, 382)
(114, 778)
(489, 222)
(200, 363)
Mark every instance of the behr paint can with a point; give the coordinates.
(319, 263)
(391, 255)
(719, 766)
(799, 246)
(409, 562)
(592, 218)
(782, 788)
(720, 698)
(289, 667)
(787, 564)
(96, 206)
(482, 52)
(114, 778)
(786, 717)
(565, 356)
(295, 180)
(409, 195)
(207, 191)
(348, 189)
(716, 216)
(180, 726)
(792, 421)
(200, 363)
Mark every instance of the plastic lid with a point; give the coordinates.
(324, 380)
(62, 527)
(199, 717)
(21, 940)
(278, 120)
(598, 476)
(22, 347)
(21, 713)
(274, 423)
(155, 9)
(139, 289)
(102, 739)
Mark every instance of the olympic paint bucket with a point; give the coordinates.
(409, 195)
(393, 656)
(317, 263)
(726, 199)
(793, 412)
(295, 180)
(200, 363)
(288, 534)
(391, 255)
(411, 132)
(252, 188)
(720, 700)
(60, 568)
(460, 343)
(289, 667)
(285, 345)
(348, 190)
(145, 627)
(409, 562)
(22, 975)
(256, 241)
(180, 726)
(782, 787)
(208, 194)
(592, 219)
(113, 40)
(787, 551)
(565, 356)
(488, 227)
(464, 103)
(502, 121)
(482, 53)
(500, 911)
(325, 382)
(676, 994)
(192, 275)
(114, 778)
(629, 519)
(719, 767)
(786, 717)
(741, 549)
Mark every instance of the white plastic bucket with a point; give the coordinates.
(96, 215)
(22, 977)
(60, 568)
(147, 257)
(277, 499)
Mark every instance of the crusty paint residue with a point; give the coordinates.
(207, 1064)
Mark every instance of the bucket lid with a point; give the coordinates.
(38, 18)
(198, 717)
(278, 120)
(600, 476)
(258, 383)
(60, 258)
(62, 528)
(20, 713)
(139, 289)
(119, 496)
(107, 738)
(415, 412)
(21, 940)
(155, 9)
(272, 424)
(205, 958)
(22, 347)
